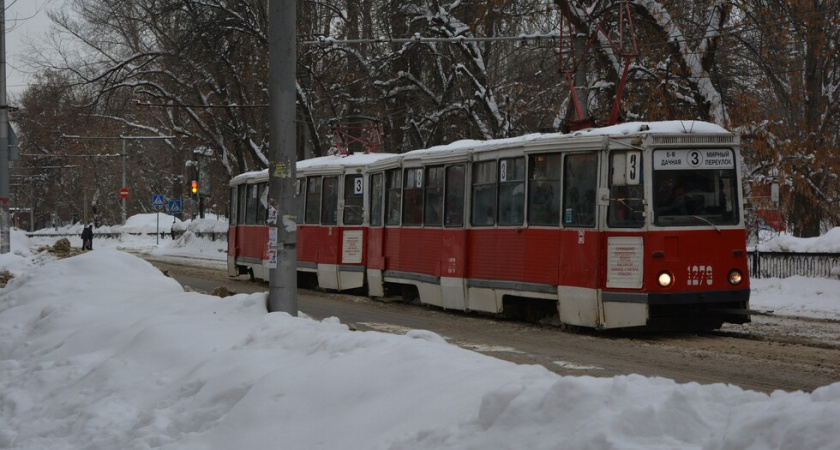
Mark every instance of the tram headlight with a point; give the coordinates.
(665, 279)
(735, 277)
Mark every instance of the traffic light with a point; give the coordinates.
(195, 187)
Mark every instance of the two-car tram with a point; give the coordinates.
(625, 226)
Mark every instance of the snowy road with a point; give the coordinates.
(772, 353)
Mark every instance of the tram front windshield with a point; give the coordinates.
(695, 187)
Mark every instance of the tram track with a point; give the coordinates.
(772, 352)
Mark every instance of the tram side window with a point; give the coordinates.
(484, 193)
(454, 202)
(243, 196)
(233, 205)
(393, 196)
(313, 200)
(580, 182)
(413, 197)
(300, 200)
(329, 201)
(376, 199)
(433, 216)
(353, 199)
(512, 191)
(544, 189)
(627, 195)
(262, 204)
(251, 204)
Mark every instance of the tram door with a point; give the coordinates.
(352, 241)
(579, 243)
(454, 242)
(327, 236)
(379, 197)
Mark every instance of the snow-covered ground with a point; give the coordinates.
(102, 351)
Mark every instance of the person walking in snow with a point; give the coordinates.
(87, 238)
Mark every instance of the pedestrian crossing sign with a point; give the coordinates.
(174, 206)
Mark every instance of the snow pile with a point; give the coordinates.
(827, 243)
(111, 354)
(147, 223)
(210, 224)
(797, 296)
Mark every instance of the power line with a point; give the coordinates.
(525, 37)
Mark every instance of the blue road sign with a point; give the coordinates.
(157, 200)
(174, 206)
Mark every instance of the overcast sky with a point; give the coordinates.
(23, 18)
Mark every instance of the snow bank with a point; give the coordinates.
(102, 351)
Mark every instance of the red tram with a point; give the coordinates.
(639, 224)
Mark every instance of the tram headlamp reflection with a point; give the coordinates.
(735, 277)
(665, 279)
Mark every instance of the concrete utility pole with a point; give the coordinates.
(5, 241)
(282, 236)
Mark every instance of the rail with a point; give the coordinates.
(788, 264)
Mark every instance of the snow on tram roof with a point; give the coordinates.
(354, 160)
(616, 131)
(663, 127)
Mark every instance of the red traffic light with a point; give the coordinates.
(194, 186)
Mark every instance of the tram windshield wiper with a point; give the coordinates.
(626, 202)
(708, 221)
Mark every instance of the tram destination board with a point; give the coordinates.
(693, 159)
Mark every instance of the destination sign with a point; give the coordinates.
(693, 159)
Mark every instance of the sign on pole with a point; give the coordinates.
(124, 193)
(174, 206)
(157, 201)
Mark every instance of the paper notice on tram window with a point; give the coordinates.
(625, 261)
(351, 247)
(271, 254)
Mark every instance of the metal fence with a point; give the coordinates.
(788, 264)
(213, 236)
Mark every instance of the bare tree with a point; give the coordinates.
(791, 48)
(198, 69)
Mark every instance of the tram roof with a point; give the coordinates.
(624, 130)
(353, 160)
(319, 163)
